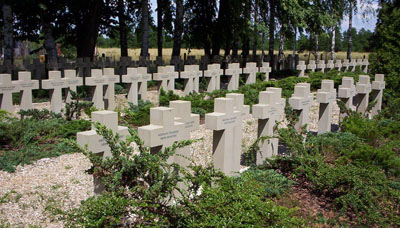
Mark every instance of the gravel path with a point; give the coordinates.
(27, 194)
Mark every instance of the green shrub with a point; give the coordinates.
(138, 115)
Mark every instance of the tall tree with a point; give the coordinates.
(145, 28)
(8, 32)
(271, 41)
(178, 30)
(123, 33)
(255, 38)
(352, 5)
(160, 26)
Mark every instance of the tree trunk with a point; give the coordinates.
(144, 52)
(123, 40)
(263, 46)
(218, 33)
(316, 49)
(176, 50)
(294, 48)
(333, 43)
(49, 43)
(271, 42)
(235, 48)
(246, 46)
(8, 33)
(281, 55)
(88, 30)
(255, 28)
(350, 41)
(160, 25)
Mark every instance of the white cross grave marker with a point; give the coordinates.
(325, 97)
(222, 121)
(321, 65)
(251, 70)
(26, 85)
(338, 65)
(268, 112)
(132, 78)
(7, 88)
(55, 84)
(144, 78)
(190, 76)
(330, 65)
(109, 95)
(97, 81)
(347, 91)
(311, 66)
(233, 72)
(301, 101)
(363, 89)
(163, 130)
(353, 65)
(73, 81)
(96, 143)
(346, 65)
(377, 92)
(266, 69)
(238, 104)
(213, 75)
(166, 76)
(302, 68)
(365, 64)
(181, 111)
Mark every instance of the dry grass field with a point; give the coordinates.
(134, 53)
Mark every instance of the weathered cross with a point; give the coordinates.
(213, 74)
(55, 84)
(347, 91)
(7, 88)
(26, 85)
(251, 70)
(363, 89)
(346, 65)
(302, 68)
(330, 65)
(97, 81)
(223, 121)
(266, 69)
(233, 72)
(144, 78)
(377, 92)
(353, 65)
(181, 111)
(191, 78)
(365, 64)
(311, 65)
(338, 65)
(109, 97)
(321, 65)
(301, 101)
(72, 81)
(238, 104)
(268, 112)
(326, 96)
(166, 76)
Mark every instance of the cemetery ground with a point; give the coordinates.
(344, 178)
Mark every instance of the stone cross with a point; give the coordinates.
(191, 78)
(347, 91)
(132, 78)
(330, 65)
(223, 121)
(181, 111)
(144, 78)
(360, 63)
(233, 72)
(109, 97)
(353, 65)
(365, 64)
(163, 130)
(97, 81)
(311, 66)
(346, 65)
(7, 88)
(301, 101)
(268, 112)
(321, 65)
(251, 70)
(73, 82)
(326, 96)
(302, 68)
(166, 76)
(55, 84)
(363, 89)
(238, 104)
(96, 143)
(26, 85)
(213, 75)
(377, 92)
(266, 69)
(338, 65)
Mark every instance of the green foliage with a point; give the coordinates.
(73, 109)
(138, 115)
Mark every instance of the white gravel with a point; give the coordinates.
(62, 182)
